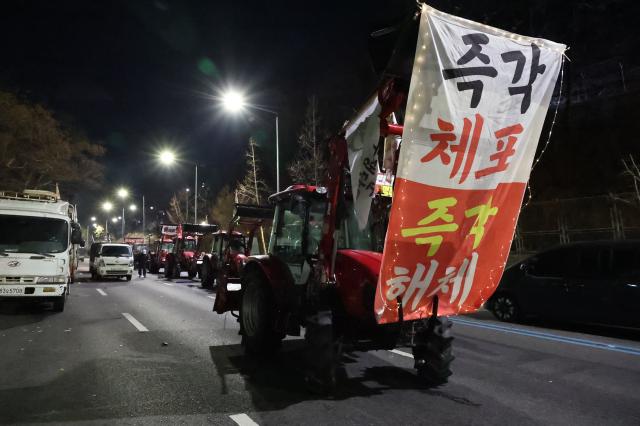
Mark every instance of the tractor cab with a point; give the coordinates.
(297, 228)
(235, 248)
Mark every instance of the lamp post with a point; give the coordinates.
(107, 206)
(234, 102)
(168, 158)
(123, 194)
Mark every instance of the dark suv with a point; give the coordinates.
(588, 282)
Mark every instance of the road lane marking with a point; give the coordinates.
(398, 352)
(211, 297)
(137, 324)
(101, 291)
(549, 336)
(169, 284)
(243, 420)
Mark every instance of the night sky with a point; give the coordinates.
(138, 75)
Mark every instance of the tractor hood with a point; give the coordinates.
(369, 260)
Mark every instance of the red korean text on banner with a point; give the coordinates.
(477, 102)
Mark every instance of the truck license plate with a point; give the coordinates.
(11, 291)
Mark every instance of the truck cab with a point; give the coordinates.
(39, 237)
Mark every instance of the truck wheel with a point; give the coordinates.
(257, 318)
(58, 304)
(324, 352)
(432, 352)
(128, 277)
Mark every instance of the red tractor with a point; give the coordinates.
(320, 273)
(161, 248)
(233, 249)
(184, 254)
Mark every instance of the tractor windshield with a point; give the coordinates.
(371, 238)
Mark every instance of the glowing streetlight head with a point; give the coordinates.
(187, 189)
(233, 101)
(107, 206)
(167, 157)
(93, 219)
(133, 207)
(114, 219)
(123, 193)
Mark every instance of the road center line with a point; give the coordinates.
(137, 324)
(399, 352)
(211, 297)
(169, 284)
(101, 291)
(243, 420)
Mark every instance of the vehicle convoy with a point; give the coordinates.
(184, 254)
(111, 260)
(39, 237)
(224, 255)
(587, 282)
(161, 248)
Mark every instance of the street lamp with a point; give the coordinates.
(168, 158)
(234, 102)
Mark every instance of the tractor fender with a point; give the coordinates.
(357, 274)
(275, 272)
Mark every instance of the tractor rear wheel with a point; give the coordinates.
(257, 317)
(324, 352)
(433, 352)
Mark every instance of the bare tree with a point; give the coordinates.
(36, 151)
(253, 188)
(309, 164)
(632, 170)
(174, 212)
(222, 211)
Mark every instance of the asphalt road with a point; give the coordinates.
(152, 352)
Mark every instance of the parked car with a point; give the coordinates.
(588, 282)
(112, 261)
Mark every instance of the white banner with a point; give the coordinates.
(477, 103)
(363, 134)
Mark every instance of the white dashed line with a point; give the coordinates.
(398, 352)
(169, 284)
(101, 291)
(135, 322)
(243, 420)
(211, 297)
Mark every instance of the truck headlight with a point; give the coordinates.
(131, 263)
(53, 279)
(101, 263)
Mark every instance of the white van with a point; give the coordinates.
(113, 260)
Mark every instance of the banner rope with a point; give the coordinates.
(546, 145)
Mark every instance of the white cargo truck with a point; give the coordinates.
(39, 238)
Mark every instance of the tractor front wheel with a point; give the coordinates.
(206, 274)
(324, 351)
(257, 317)
(433, 352)
(168, 267)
